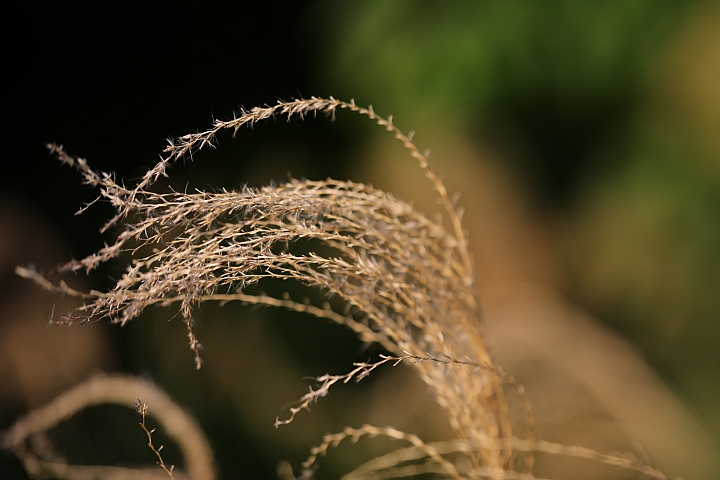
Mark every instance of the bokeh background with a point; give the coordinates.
(584, 138)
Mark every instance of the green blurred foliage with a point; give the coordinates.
(562, 73)
(470, 57)
(594, 94)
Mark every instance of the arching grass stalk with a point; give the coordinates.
(407, 283)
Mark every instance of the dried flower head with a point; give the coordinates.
(407, 283)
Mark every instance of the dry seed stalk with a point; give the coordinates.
(142, 408)
(407, 282)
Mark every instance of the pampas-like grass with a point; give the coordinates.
(407, 283)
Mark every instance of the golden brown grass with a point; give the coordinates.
(406, 283)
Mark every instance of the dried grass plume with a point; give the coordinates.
(406, 283)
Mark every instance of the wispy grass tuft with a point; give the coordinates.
(407, 283)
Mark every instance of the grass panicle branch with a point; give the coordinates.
(142, 408)
(407, 283)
